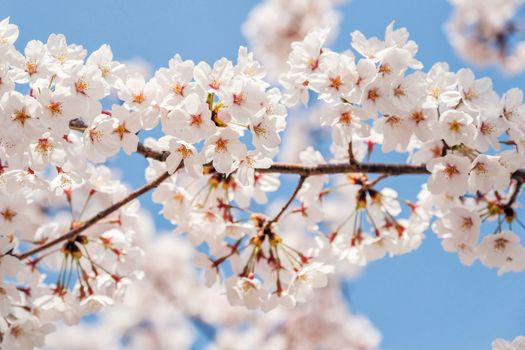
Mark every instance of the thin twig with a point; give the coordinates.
(101, 215)
(514, 195)
(378, 179)
(351, 156)
(287, 204)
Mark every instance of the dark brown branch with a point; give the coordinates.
(311, 170)
(351, 156)
(519, 175)
(322, 169)
(343, 168)
(101, 215)
(514, 195)
(151, 153)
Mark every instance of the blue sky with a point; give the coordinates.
(423, 300)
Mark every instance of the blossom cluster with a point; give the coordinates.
(171, 307)
(452, 122)
(75, 278)
(70, 231)
(487, 32)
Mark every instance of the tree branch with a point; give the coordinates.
(514, 195)
(313, 170)
(351, 157)
(290, 200)
(343, 168)
(310, 170)
(72, 234)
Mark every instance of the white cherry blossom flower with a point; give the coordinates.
(265, 133)
(502, 251)
(63, 55)
(475, 94)
(245, 291)
(26, 333)
(243, 99)
(86, 85)
(397, 131)
(336, 78)
(459, 230)
(58, 109)
(100, 140)
(456, 127)
(8, 35)
(112, 72)
(489, 129)
(214, 79)
(181, 151)
(47, 150)
(487, 173)
(449, 175)
(512, 107)
(175, 80)
(19, 115)
(225, 150)
(126, 125)
(191, 121)
(247, 166)
(312, 276)
(136, 93)
(442, 87)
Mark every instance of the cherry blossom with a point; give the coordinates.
(225, 149)
(183, 151)
(270, 236)
(449, 175)
(459, 229)
(503, 251)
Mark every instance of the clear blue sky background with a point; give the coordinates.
(422, 301)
